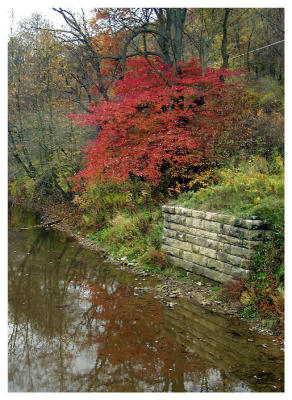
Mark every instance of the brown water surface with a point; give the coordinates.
(77, 324)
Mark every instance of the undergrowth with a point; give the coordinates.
(126, 219)
(255, 187)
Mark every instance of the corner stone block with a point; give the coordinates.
(177, 262)
(168, 209)
(169, 233)
(178, 244)
(172, 251)
(177, 219)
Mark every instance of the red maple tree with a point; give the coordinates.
(157, 120)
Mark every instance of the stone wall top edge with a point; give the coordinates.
(214, 216)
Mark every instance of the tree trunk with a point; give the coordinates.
(170, 26)
(178, 19)
(247, 53)
(224, 53)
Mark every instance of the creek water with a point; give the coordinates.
(78, 324)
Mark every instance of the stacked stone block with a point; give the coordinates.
(217, 246)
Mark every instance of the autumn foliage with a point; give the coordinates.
(158, 121)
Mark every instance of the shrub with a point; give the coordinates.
(22, 188)
(156, 258)
(233, 289)
(160, 123)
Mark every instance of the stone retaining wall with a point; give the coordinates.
(213, 245)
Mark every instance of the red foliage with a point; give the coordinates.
(156, 119)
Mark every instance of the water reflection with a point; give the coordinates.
(76, 324)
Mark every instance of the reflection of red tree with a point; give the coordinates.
(130, 333)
